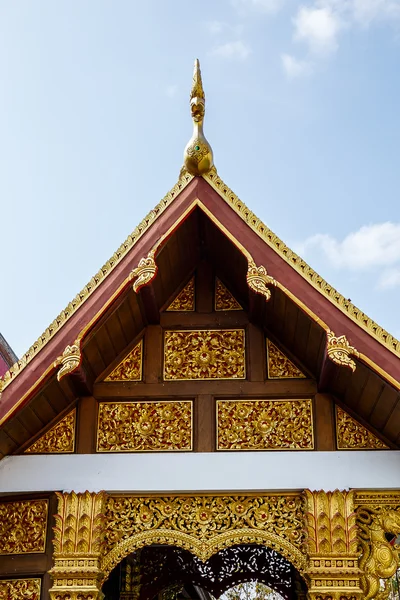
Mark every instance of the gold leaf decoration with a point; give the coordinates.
(59, 439)
(144, 272)
(351, 435)
(224, 300)
(130, 368)
(144, 426)
(204, 354)
(20, 589)
(279, 366)
(205, 524)
(184, 301)
(23, 526)
(264, 425)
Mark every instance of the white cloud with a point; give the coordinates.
(390, 278)
(295, 68)
(318, 27)
(264, 6)
(171, 90)
(367, 11)
(371, 247)
(215, 27)
(234, 50)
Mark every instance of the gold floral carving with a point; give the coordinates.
(380, 559)
(20, 589)
(351, 435)
(332, 544)
(205, 354)
(279, 366)
(69, 360)
(130, 368)
(259, 281)
(78, 538)
(59, 439)
(144, 426)
(224, 300)
(23, 526)
(264, 425)
(340, 351)
(106, 269)
(297, 263)
(204, 524)
(144, 272)
(184, 301)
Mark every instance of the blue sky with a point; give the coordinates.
(302, 114)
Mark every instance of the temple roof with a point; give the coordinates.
(7, 356)
(201, 217)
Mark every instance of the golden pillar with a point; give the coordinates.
(78, 539)
(333, 572)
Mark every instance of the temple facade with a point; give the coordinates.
(206, 411)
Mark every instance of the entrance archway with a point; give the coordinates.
(163, 571)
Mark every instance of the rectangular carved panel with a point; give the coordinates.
(17, 589)
(144, 426)
(264, 425)
(23, 526)
(205, 354)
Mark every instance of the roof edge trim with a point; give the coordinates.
(184, 179)
(293, 259)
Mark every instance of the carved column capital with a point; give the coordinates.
(78, 537)
(333, 572)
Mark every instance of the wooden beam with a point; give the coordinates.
(277, 388)
(324, 422)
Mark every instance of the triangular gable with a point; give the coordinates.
(185, 300)
(130, 367)
(279, 365)
(224, 299)
(351, 435)
(60, 439)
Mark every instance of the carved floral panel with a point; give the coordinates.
(20, 589)
(23, 526)
(264, 425)
(59, 439)
(130, 368)
(279, 365)
(205, 518)
(351, 435)
(144, 426)
(224, 300)
(184, 301)
(205, 354)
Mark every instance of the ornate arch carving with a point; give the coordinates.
(203, 550)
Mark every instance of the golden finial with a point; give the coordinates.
(198, 156)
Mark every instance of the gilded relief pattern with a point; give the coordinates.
(204, 524)
(59, 439)
(340, 351)
(351, 435)
(130, 368)
(264, 425)
(18, 589)
(333, 546)
(144, 426)
(208, 354)
(184, 301)
(224, 300)
(279, 366)
(23, 526)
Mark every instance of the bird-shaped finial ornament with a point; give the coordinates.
(198, 155)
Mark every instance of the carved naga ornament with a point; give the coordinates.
(69, 360)
(198, 155)
(144, 272)
(339, 351)
(259, 281)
